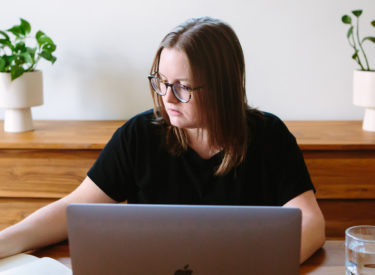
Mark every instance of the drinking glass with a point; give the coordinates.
(360, 250)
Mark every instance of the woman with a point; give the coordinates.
(201, 144)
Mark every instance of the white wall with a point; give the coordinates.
(298, 60)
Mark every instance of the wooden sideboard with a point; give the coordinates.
(40, 166)
(341, 159)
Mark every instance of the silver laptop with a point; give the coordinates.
(182, 240)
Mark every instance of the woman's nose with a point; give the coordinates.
(169, 96)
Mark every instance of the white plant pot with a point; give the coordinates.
(17, 97)
(364, 96)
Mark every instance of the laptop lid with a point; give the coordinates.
(183, 239)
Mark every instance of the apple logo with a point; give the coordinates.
(185, 271)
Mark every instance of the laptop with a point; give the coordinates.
(183, 239)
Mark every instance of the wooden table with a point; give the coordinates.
(329, 260)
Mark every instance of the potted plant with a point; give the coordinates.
(21, 84)
(364, 77)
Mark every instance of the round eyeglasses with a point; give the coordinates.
(181, 92)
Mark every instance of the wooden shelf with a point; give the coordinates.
(332, 135)
(43, 165)
(61, 135)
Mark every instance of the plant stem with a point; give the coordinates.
(360, 45)
(358, 59)
(37, 51)
(351, 43)
(36, 62)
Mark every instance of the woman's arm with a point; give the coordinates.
(48, 224)
(313, 224)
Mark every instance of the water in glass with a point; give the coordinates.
(360, 260)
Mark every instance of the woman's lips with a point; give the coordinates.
(174, 112)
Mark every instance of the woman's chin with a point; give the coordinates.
(178, 122)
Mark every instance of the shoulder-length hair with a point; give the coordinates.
(216, 60)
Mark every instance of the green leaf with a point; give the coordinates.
(9, 59)
(20, 46)
(5, 35)
(373, 23)
(346, 19)
(19, 60)
(25, 26)
(355, 55)
(45, 39)
(4, 42)
(17, 31)
(2, 64)
(49, 47)
(39, 34)
(357, 13)
(27, 57)
(371, 38)
(7, 43)
(16, 72)
(350, 31)
(31, 51)
(48, 56)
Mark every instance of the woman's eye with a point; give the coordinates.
(185, 87)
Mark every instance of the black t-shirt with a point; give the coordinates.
(135, 166)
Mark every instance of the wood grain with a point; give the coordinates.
(70, 134)
(329, 260)
(342, 174)
(331, 135)
(342, 214)
(43, 165)
(43, 173)
(62, 134)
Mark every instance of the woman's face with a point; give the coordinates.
(174, 68)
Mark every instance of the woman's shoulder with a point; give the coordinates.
(260, 118)
(140, 125)
(141, 119)
(267, 125)
(271, 120)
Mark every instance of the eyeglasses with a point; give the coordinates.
(181, 92)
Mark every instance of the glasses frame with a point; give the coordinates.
(189, 90)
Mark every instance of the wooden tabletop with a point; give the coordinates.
(332, 135)
(329, 260)
(75, 134)
(61, 134)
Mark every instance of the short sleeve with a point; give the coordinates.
(287, 165)
(110, 171)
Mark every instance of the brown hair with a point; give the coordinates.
(216, 59)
